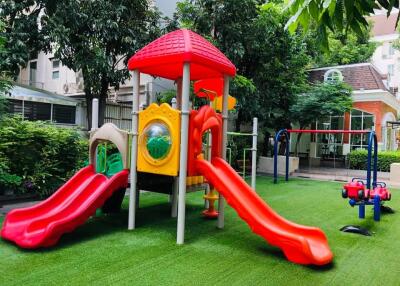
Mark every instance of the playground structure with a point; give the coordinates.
(360, 191)
(167, 144)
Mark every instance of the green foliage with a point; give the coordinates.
(340, 15)
(94, 37)
(271, 62)
(5, 83)
(43, 156)
(3, 106)
(358, 159)
(345, 49)
(322, 100)
(166, 96)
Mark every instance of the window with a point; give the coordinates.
(56, 69)
(391, 49)
(55, 75)
(64, 114)
(32, 73)
(37, 110)
(15, 106)
(333, 76)
(330, 145)
(360, 120)
(390, 69)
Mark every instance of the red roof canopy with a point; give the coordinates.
(165, 57)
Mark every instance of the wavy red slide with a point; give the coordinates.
(300, 244)
(43, 224)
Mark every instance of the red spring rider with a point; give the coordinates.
(355, 190)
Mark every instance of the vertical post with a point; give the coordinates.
(375, 172)
(377, 208)
(221, 200)
(174, 198)
(276, 142)
(183, 152)
(287, 155)
(133, 174)
(254, 154)
(361, 210)
(95, 114)
(173, 103)
(370, 136)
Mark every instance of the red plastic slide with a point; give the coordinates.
(43, 224)
(300, 244)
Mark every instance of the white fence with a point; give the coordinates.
(119, 114)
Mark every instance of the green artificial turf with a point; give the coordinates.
(104, 252)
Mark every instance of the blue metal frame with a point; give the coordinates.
(277, 139)
(372, 143)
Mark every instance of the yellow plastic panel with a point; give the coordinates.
(163, 115)
(217, 103)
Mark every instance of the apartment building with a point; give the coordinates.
(386, 58)
(48, 73)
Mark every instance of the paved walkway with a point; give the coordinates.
(341, 175)
(6, 208)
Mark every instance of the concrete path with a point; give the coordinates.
(6, 208)
(341, 175)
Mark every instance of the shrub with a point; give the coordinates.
(358, 159)
(42, 155)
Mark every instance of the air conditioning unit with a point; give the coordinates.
(65, 88)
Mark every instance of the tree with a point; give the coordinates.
(345, 49)
(270, 61)
(5, 83)
(322, 100)
(4, 80)
(340, 15)
(95, 37)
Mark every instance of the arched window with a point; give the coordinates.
(333, 76)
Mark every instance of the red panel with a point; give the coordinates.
(300, 244)
(43, 224)
(210, 88)
(165, 57)
(200, 121)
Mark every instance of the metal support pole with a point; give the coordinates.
(361, 211)
(276, 142)
(133, 174)
(174, 198)
(254, 154)
(183, 153)
(375, 171)
(221, 201)
(369, 158)
(95, 114)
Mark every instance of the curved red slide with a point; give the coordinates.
(300, 244)
(43, 224)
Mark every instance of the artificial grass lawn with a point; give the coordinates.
(103, 251)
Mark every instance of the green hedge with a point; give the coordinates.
(358, 159)
(38, 157)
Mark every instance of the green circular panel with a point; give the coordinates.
(157, 139)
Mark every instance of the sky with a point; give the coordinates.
(166, 6)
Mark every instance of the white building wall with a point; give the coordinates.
(385, 55)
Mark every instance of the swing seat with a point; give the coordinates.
(355, 190)
(382, 192)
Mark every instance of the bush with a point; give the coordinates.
(38, 156)
(358, 159)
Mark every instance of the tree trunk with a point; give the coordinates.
(103, 99)
(89, 99)
(297, 142)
